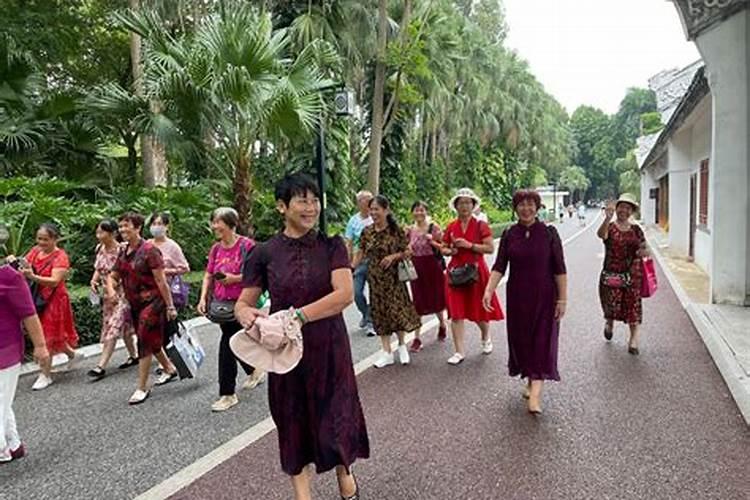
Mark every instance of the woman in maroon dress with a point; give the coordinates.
(468, 240)
(624, 247)
(315, 406)
(140, 268)
(537, 291)
(428, 290)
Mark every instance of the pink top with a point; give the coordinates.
(172, 254)
(228, 261)
(420, 243)
(15, 306)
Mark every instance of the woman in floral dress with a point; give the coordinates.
(116, 320)
(624, 247)
(315, 406)
(140, 269)
(384, 245)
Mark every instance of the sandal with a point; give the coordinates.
(138, 397)
(97, 373)
(131, 361)
(355, 495)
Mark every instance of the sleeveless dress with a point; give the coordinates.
(466, 302)
(57, 318)
(428, 290)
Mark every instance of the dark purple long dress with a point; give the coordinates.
(316, 406)
(535, 255)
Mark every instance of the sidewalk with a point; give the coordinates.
(723, 328)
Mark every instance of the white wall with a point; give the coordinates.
(679, 150)
(701, 149)
(648, 206)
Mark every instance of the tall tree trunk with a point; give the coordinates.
(153, 154)
(376, 132)
(242, 187)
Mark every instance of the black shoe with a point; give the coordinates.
(608, 333)
(634, 351)
(97, 373)
(128, 363)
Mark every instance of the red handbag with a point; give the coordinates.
(649, 284)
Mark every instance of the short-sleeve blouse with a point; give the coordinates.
(419, 242)
(136, 270)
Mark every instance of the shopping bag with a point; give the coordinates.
(648, 282)
(185, 352)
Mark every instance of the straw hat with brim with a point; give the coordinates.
(465, 193)
(629, 199)
(273, 344)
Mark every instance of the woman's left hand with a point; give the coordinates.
(171, 313)
(461, 243)
(27, 272)
(387, 262)
(231, 279)
(560, 308)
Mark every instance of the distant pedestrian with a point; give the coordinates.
(543, 213)
(384, 244)
(428, 290)
(581, 214)
(561, 212)
(222, 281)
(480, 215)
(315, 406)
(117, 321)
(140, 269)
(536, 295)
(47, 269)
(620, 280)
(467, 241)
(16, 309)
(353, 236)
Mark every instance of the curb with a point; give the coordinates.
(721, 353)
(96, 349)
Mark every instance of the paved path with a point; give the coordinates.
(85, 442)
(658, 426)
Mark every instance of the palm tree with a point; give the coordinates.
(233, 81)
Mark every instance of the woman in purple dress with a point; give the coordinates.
(537, 295)
(315, 406)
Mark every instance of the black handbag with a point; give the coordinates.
(221, 311)
(465, 275)
(40, 303)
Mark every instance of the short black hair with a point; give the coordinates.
(108, 225)
(51, 229)
(420, 203)
(297, 184)
(164, 216)
(133, 217)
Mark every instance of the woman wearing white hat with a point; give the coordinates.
(467, 240)
(620, 280)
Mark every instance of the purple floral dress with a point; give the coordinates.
(116, 319)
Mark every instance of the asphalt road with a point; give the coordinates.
(85, 442)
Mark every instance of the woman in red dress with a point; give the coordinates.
(624, 247)
(140, 268)
(468, 240)
(47, 268)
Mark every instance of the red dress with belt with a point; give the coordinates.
(466, 302)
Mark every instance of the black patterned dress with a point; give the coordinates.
(621, 255)
(390, 306)
(316, 406)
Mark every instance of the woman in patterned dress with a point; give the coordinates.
(140, 269)
(384, 245)
(428, 290)
(47, 267)
(315, 406)
(116, 319)
(624, 247)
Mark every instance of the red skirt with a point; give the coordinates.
(428, 290)
(57, 322)
(466, 302)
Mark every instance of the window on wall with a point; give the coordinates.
(703, 199)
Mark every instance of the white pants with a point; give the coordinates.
(9, 438)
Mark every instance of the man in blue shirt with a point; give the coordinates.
(353, 234)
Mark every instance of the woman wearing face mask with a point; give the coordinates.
(620, 281)
(315, 406)
(384, 245)
(116, 319)
(536, 295)
(175, 264)
(47, 268)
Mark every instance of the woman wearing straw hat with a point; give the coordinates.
(315, 405)
(467, 240)
(620, 280)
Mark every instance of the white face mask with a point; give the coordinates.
(157, 231)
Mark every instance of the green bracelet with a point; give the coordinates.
(300, 316)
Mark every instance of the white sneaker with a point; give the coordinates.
(254, 380)
(403, 355)
(487, 347)
(384, 359)
(224, 403)
(42, 382)
(456, 359)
